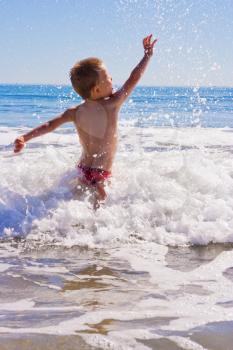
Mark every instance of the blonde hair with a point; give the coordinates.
(84, 75)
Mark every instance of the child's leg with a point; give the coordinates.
(100, 194)
(82, 188)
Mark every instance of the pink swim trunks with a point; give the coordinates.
(93, 175)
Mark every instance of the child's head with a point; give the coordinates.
(90, 79)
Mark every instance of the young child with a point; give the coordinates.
(95, 119)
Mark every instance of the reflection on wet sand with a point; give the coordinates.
(108, 325)
(160, 344)
(100, 328)
(214, 336)
(48, 342)
(87, 279)
(102, 295)
(88, 283)
(191, 257)
(95, 270)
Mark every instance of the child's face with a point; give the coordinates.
(104, 87)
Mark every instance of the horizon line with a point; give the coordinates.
(142, 86)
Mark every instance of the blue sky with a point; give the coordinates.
(41, 39)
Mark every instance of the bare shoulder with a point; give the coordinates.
(113, 103)
(72, 113)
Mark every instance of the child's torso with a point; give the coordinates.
(96, 124)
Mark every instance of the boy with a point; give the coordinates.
(95, 119)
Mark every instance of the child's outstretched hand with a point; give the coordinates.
(148, 45)
(19, 144)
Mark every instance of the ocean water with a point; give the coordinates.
(153, 267)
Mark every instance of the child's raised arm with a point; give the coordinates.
(67, 116)
(121, 95)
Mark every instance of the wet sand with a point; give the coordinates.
(51, 286)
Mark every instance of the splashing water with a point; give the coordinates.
(132, 274)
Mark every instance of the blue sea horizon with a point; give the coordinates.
(159, 106)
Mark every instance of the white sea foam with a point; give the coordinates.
(170, 186)
(20, 305)
(4, 267)
(218, 289)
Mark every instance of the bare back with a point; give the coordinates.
(96, 124)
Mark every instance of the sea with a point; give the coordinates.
(152, 268)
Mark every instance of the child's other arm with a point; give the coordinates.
(121, 95)
(67, 116)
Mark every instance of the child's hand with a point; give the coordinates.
(148, 45)
(19, 144)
